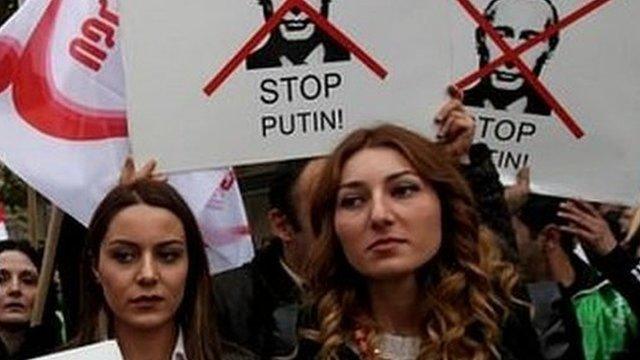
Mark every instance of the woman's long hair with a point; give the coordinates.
(195, 314)
(632, 239)
(466, 287)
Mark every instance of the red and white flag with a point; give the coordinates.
(3, 228)
(63, 120)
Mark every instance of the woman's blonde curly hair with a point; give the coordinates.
(467, 287)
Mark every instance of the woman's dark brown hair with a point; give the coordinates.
(466, 288)
(195, 314)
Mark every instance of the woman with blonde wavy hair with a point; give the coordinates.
(402, 268)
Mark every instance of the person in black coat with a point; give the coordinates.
(19, 268)
(257, 304)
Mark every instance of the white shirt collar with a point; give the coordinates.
(178, 351)
(297, 279)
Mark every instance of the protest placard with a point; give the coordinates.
(554, 86)
(106, 350)
(215, 83)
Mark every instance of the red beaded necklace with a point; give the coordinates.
(360, 336)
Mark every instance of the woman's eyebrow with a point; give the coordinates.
(28, 272)
(120, 242)
(171, 242)
(400, 173)
(359, 183)
(351, 184)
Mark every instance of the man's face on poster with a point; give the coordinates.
(296, 25)
(518, 21)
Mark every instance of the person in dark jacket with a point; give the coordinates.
(455, 135)
(598, 282)
(541, 244)
(618, 265)
(19, 268)
(402, 268)
(489, 195)
(257, 304)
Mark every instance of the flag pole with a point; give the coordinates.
(48, 263)
(32, 216)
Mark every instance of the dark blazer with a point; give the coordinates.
(257, 305)
(39, 340)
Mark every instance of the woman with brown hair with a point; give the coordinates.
(145, 277)
(19, 268)
(402, 268)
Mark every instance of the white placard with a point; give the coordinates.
(298, 90)
(590, 68)
(107, 350)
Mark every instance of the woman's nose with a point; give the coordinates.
(148, 274)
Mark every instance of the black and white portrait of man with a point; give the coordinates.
(296, 40)
(516, 21)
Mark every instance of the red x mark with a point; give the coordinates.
(513, 55)
(268, 26)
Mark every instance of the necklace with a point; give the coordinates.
(360, 338)
(389, 346)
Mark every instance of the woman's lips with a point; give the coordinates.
(146, 301)
(385, 244)
(15, 306)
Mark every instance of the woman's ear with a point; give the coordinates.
(280, 225)
(94, 269)
(96, 274)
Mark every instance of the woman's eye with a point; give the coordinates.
(170, 256)
(350, 202)
(404, 191)
(30, 279)
(123, 257)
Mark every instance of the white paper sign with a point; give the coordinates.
(574, 121)
(211, 84)
(107, 350)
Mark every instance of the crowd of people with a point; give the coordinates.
(393, 246)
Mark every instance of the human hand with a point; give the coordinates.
(129, 175)
(456, 127)
(517, 194)
(588, 225)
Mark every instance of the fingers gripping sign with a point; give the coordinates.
(456, 127)
(588, 225)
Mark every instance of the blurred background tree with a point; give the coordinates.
(7, 8)
(13, 193)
